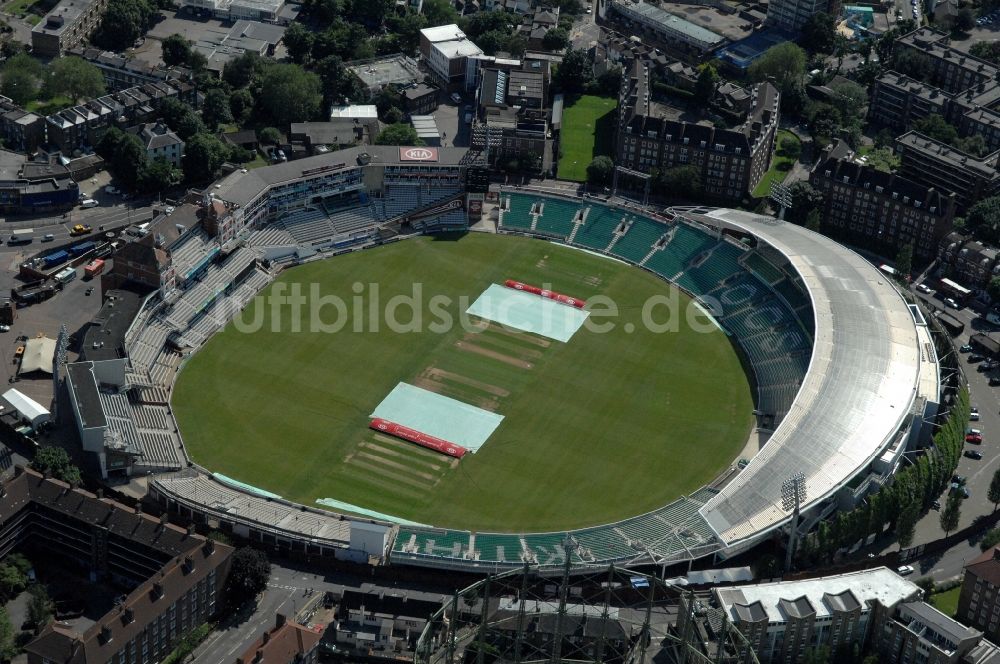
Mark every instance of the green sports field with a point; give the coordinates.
(603, 427)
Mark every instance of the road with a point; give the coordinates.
(979, 472)
(585, 30)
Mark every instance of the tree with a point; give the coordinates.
(56, 462)
(993, 494)
(680, 182)
(407, 26)
(288, 93)
(575, 71)
(965, 20)
(805, 198)
(215, 109)
(983, 218)
(124, 22)
(951, 513)
(990, 539)
(249, 571)
(439, 12)
(203, 156)
(819, 33)
(599, 170)
(814, 220)
(850, 99)
(786, 63)
(19, 85)
(704, 87)
(40, 606)
(906, 525)
(241, 105)
(936, 127)
(904, 263)
(883, 159)
(987, 50)
(75, 77)
(269, 136)
(12, 581)
(555, 39)
(791, 147)
(393, 116)
(398, 134)
(176, 50)
(244, 70)
(299, 41)
(159, 174)
(8, 639)
(993, 290)
(609, 84)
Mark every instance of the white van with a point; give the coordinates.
(65, 276)
(88, 203)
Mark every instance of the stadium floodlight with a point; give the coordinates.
(793, 492)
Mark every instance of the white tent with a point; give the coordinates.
(28, 408)
(38, 354)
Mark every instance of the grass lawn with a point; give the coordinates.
(605, 426)
(257, 162)
(587, 132)
(947, 602)
(49, 106)
(18, 7)
(781, 163)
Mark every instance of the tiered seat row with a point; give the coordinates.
(762, 267)
(639, 239)
(557, 217)
(599, 225)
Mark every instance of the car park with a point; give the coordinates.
(974, 454)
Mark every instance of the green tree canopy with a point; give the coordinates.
(215, 109)
(575, 72)
(21, 78)
(599, 171)
(74, 77)
(704, 87)
(555, 39)
(269, 136)
(288, 93)
(8, 637)
(299, 41)
(936, 127)
(204, 154)
(951, 513)
(56, 462)
(40, 606)
(983, 218)
(679, 182)
(791, 147)
(398, 134)
(176, 50)
(439, 12)
(124, 22)
(990, 539)
(244, 70)
(818, 33)
(786, 63)
(249, 571)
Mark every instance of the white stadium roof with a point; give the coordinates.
(858, 391)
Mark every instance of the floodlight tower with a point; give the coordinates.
(793, 494)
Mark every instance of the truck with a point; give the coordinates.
(22, 236)
(94, 268)
(82, 248)
(66, 275)
(54, 259)
(34, 292)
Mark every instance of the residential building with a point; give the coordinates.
(380, 622)
(967, 260)
(917, 632)
(781, 620)
(68, 24)
(121, 72)
(948, 170)
(176, 577)
(943, 66)
(791, 15)
(731, 161)
(445, 49)
(880, 211)
(160, 142)
(669, 28)
(979, 600)
(285, 643)
(21, 131)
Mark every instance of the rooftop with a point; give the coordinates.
(442, 33)
(669, 21)
(985, 167)
(824, 595)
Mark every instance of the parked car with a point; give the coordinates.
(975, 358)
(111, 189)
(974, 438)
(88, 203)
(951, 303)
(904, 570)
(973, 417)
(936, 505)
(994, 381)
(959, 479)
(923, 288)
(967, 348)
(974, 454)
(457, 98)
(978, 432)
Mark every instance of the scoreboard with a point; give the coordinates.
(477, 180)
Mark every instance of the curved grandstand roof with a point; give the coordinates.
(859, 389)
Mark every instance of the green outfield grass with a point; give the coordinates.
(602, 427)
(587, 132)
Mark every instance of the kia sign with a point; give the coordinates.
(418, 154)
